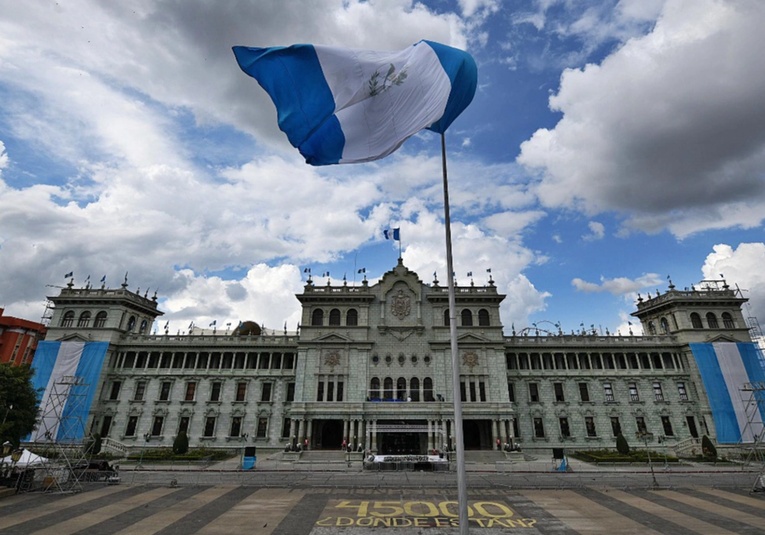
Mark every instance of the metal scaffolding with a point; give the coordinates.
(61, 433)
(753, 399)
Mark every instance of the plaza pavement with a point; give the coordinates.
(322, 498)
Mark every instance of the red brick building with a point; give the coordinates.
(18, 339)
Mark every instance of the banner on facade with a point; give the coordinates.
(66, 377)
(731, 373)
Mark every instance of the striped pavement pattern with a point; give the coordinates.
(226, 510)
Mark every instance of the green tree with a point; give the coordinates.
(18, 403)
(708, 448)
(621, 445)
(181, 444)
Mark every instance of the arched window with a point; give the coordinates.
(712, 321)
(352, 317)
(374, 388)
(144, 327)
(317, 317)
(388, 388)
(334, 317)
(467, 318)
(664, 326)
(68, 319)
(651, 328)
(728, 321)
(427, 389)
(446, 317)
(401, 389)
(84, 320)
(696, 321)
(100, 320)
(131, 323)
(414, 389)
(483, 318)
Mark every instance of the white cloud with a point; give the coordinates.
(742, 269)
(265, 295)
(3, 157)
(481, 8)
(597, 231)
(619, 285)
(666, 128)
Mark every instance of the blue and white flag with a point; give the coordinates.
(392, 234)
(340, 105)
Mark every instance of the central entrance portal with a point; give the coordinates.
(402, 438)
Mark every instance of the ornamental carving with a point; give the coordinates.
(470, 360)
(332, 359)
(401, 306)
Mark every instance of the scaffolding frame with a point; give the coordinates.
(62, 428)
(753, 400)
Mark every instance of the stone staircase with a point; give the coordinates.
(112, 446)
(323, 456)
(687, 447)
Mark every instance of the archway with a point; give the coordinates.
(329, 434)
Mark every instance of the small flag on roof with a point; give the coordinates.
(392, 234)
(340, 105)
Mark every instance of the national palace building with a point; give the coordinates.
(371, 366)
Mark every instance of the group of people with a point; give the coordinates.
(351, 447)
(508, 446)
(296, 446)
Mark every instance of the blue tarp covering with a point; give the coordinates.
(725, 368)
(66, 372)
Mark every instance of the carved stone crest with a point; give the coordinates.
(470, 360)
(332, 359)
(401, 306)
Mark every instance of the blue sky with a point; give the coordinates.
(610, 144)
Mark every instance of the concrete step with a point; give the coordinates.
(322, 455)
(6, 492)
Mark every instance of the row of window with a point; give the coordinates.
(208, 427)
(416, 390)
(696, 322)
(227, 360)
(67, 320)
(593, 361)
(83, 321)
(559, 392)
(352, 317)
(191, 388)
(591, 431)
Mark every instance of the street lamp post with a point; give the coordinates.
(645, 436)
(147, 438)
(662, 440)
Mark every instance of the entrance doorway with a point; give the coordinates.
(328, 434)
(477, 434)
(402, 437)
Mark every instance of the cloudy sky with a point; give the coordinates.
(611, 144)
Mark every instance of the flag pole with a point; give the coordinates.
(456, 396)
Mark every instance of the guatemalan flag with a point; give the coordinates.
(340, 105)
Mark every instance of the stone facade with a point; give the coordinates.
(371, 368)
